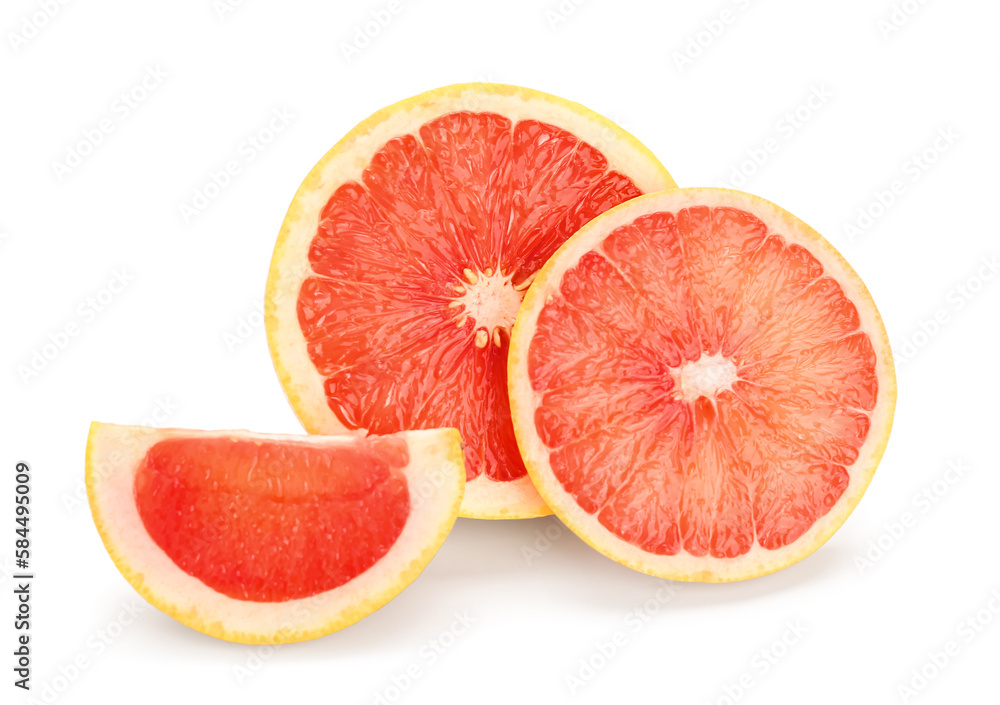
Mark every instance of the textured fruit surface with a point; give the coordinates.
(705, 380)
(418, 259)
(270, 521)
(271, 539)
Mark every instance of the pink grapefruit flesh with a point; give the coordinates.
(273, 521)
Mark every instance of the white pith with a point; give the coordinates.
(524, 400)
(303, 384)
(705, 377)
(491, 301)
(435, 476)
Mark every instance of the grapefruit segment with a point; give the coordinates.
(401, 266)
(234, 512)
(701, 387)
(271, 539)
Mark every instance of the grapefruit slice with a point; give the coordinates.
(701, 386)
(404, 256)
(268, 539)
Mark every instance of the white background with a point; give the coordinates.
(161, 342)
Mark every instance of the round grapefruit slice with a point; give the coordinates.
(701, 386)
(406, 251)
(268, 539)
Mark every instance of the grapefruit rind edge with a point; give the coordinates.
(503, 500)
(524, 399)
(110, 472)
(345, 161)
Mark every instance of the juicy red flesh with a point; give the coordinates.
(760, 461)
(268, 521)
(469, 191)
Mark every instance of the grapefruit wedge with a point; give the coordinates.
(404, 256)
(701, 386)
(268, 539)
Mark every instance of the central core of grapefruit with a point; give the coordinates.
(705, 377)
(491, 301)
